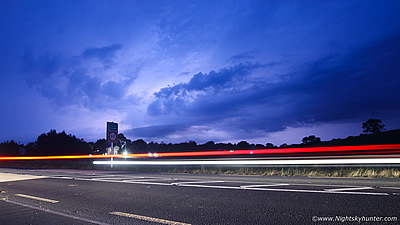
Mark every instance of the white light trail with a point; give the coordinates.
(257, 162)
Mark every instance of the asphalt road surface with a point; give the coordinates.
(115, 197)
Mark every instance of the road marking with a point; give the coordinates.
(37, 198)
(143, 182)
(56, 213)
(146, 218)
(287, 190)
(5, 177)
(322, 185)
(346, 190)
(106, 179)
(70, 178)
(318, 191)
(391, 187)
(262, 185)
(123, 181)
(208, 186)
(198, 182)
(150, 179)
(349, 189)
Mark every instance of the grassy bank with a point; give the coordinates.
(262, 171)
(320, 172)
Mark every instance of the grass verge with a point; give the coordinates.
(393, 172)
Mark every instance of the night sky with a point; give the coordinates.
(220, 70)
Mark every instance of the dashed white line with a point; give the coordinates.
(57, 213)
(150, 179)
(143, 182)
(319, 191)
(349, 189)
(391, 187)
(209, 186)
(146, 218)
(197, 182)
(37, 198)
(262, 185)
(125, 181)
(286, 190)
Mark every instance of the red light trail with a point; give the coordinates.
(56, 157)
(374, 149)
(276, 151)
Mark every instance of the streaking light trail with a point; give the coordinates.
(57, 157)
(274, 151)
(356, 150)
(257, 162)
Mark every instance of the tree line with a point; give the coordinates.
(53, 143)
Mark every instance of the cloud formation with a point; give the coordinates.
(175, 71)
(104, 54)
(331, 89)
(187, 98)
(75, 80)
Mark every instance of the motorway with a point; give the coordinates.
(52, 196)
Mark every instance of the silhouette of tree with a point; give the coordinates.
(100, 147)
(209, 146)
(243, 145)
(269, 145)
(54, 143)
(153, 147)
(9, 148)
(139, 146)
(373, 126)
(192, 145)
(260, 146)
(223, 146)
(311, 140)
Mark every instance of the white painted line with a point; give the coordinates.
(106, 179)
(139, 180)
(322, 185)
(6, 177)
(263, 185)
(391, 187)
(256, 187)
(209, 186)
(37, 198)
(136, 178)
(349, 189)
(198, 182)
(146, 218)
(125, 181)
(69, 178)
(57, 213)
(317, 191)
(119, 177)
(143, 182)
(151, 179)
(287, 190)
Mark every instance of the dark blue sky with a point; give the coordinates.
(174, 71)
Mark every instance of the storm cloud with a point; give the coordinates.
(176, 71)
(69, 81)
(331, 89)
